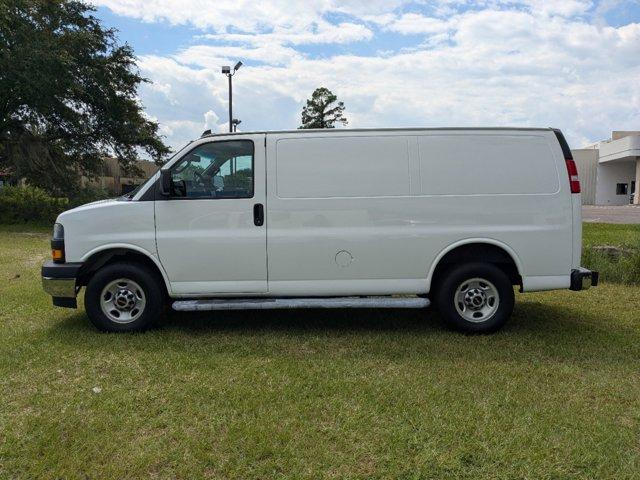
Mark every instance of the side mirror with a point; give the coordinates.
(165, 183)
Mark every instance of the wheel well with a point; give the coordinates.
(107, 257)
(477, 252)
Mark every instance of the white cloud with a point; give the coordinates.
(212, 121)
(323, 32)
(413, 23)
(206, 55)
(565, 8)
(250, 16)
(528, 62)
(296, 17)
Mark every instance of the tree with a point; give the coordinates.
(67, 95)
(322, 110)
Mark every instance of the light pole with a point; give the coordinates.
(226, 70)
(235, 123)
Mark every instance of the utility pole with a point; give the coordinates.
(226, 70)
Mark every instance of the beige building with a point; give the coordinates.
(112, 179)
(115, 181)
(609, 171)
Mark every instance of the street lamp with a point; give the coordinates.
(226, 70)
(235, 122)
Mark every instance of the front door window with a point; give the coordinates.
(215, 170)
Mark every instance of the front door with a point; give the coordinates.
(209, 232)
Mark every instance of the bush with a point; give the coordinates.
(29, 204)
(87, 195)
(34, 205)
(623, 268)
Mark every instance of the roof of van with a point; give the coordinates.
(408, 129)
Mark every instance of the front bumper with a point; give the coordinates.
(582, 279)
(59, 281)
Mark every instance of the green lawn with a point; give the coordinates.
(625, 269)
(610, 234)
(318, 394)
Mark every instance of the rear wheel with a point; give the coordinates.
(124, 297)
(475, 297)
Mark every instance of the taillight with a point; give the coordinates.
(572, 170)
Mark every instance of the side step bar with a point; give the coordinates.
(287, 303)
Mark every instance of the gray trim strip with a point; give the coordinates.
(371, 130)
(288, 303)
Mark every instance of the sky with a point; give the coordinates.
(570, 64)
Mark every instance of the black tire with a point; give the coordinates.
(495, 279)
(151, 291)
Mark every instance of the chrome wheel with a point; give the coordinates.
(122, 300)
(477, 300)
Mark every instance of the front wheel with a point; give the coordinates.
(124, 297)
(475, 298)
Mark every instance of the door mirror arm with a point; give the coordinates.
(165, 183)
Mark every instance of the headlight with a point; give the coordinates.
(57, 243)
(58, 231)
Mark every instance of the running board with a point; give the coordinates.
(287, 303)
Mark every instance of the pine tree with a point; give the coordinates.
(323, 110)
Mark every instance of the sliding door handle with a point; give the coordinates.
(258, 215)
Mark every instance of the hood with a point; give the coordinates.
(98, 202)
(91, 206)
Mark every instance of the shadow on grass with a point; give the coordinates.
(280, 321)
(536, 330)
(529, 317)
(539, 334)
(304, 320)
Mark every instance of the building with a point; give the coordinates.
(609, 171)
(117, 182)
(113, 179)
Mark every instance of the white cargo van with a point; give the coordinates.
(396, 218)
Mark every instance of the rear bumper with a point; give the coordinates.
(582, 279)
(59, 281)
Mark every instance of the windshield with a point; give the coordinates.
(134, 192)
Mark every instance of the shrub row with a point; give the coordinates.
(34, 205)
(29, 204)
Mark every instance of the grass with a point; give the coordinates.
(610, 234)
(625, 269)
(317, 394)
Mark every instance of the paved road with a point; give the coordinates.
(623, 214)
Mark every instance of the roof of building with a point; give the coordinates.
(625, 149)
(618, 134)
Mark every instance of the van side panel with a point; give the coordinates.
(333, 223)
(367, 213)
(484, 164)
(342, 167)
(513, 185)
